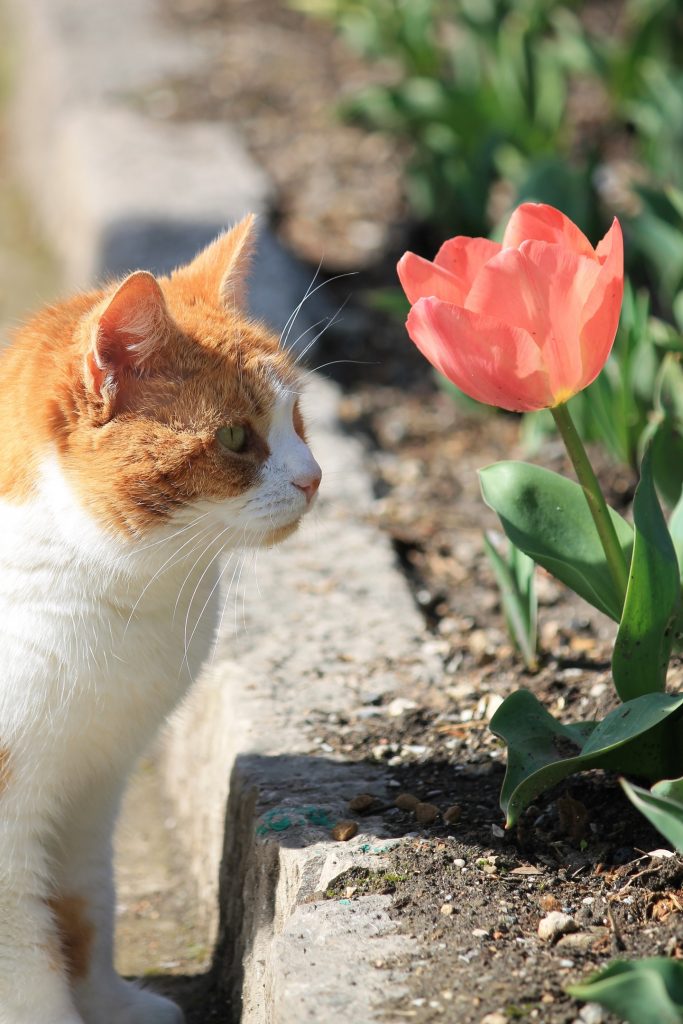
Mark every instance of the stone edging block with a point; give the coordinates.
(331, 621)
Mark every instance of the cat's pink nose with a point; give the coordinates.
(309, 484)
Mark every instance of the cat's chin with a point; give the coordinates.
(280, 533)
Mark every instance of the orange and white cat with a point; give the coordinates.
(144, 429)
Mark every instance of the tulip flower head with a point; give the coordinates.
(522, 325)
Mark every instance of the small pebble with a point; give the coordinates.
(549, 902)
(426, 814)
(458, 862)
(345, 830)
(452, 815)
(480, 933)
(406, 801)
(591, 1013)
(495, 1018)
(581, 942)
(399, 706)
(446, 909)
(555, 924)
(362, 803)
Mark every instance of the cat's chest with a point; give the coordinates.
(120, 640)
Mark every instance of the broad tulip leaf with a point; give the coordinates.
(641, 737)
(646, 631)
(670, 788)
(662, 806)
(646, 991)
(547, 516)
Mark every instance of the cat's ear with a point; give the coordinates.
(218, 274)
(127, 331)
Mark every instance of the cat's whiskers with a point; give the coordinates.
(228, 530)
(256, 580)
(331, 322)
(206, 603)
(235, 579)
(219, 538)
(338, 362)
(172, 559)
(284, 335)
(237, 590)
(286, 331)
(170, 537)
(254, 559)
(225, 605)
(323, 320)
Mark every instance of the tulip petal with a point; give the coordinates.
(544, 223)
(420, 278)
(541, 288)
(601, 313)
(488, 360)
(463, 257)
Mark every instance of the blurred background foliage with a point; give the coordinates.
(571, 103)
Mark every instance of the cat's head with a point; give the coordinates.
(179, 405)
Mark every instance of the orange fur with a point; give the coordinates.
(75, 933)
(5, 769)
(129, 384)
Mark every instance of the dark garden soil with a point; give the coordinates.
(472, 893)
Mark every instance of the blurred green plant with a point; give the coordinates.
(646, 991)
(515, 575)
(501, 101)
(478, 92)
(657, 232)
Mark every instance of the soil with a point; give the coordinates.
(471, 892)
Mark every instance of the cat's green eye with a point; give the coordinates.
(234, 439)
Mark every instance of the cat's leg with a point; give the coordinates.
(85, 903)
(33, 976)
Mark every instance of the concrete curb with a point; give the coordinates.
(332, 621)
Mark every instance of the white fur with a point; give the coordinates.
(101, 637)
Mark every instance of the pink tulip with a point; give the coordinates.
(523, 325)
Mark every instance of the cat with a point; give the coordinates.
(144, 429)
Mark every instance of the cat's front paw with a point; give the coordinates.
(149, 1008)
(135, 1006)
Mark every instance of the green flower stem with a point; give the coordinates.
(594, 497)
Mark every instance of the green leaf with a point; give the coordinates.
(670, 788)
(646, 991)
(669, 387)
(666, 443)
(643, 646)
(547, 517)
(516, 584)
(639, 738)
(664, 812)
